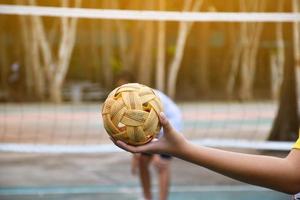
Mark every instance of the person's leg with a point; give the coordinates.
(162, 164)
(145, 178)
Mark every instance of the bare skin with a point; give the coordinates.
(162, 166)
(281, 174)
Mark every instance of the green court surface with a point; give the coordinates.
(113, 192)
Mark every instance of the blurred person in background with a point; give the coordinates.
(14, 82)
(141, 161)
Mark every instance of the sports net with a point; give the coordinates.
(78, 128)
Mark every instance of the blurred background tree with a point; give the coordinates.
(215, 60)
(42, 57)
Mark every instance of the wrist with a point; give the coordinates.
(181, 149)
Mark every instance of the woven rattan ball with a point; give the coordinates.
(130, 114)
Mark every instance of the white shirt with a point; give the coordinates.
(171, 111)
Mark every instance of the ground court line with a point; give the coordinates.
(124, 189)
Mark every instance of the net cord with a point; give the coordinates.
(149, 15)
(110, 148)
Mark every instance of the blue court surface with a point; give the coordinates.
(114, 192)
(38, 170)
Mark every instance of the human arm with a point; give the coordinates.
(282, 174)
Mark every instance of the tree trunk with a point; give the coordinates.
(146, 60)
(69, 31)
(135, 47)
(25, 32)
(251, 33)
(161, 48)
(233, 73)
(201, 73)
(244, 71)
(258, 27)
(35, 81)
(286, 123)
(107, 50)
(122, 36)
(39, 43)
(43, 43)
(107, 54)
(235, 59)
(95, 73)
(3, 58)
(184, 29)
(38, 74)
(126, 51)
(55, 70)
(123, 45)
(286, 126)
(296, 36)
(277, 59)
(55, 92)
(145, 67)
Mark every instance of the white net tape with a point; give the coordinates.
(150, 15)
(110, 148)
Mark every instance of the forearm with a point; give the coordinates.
(281, 174)
(266, 171)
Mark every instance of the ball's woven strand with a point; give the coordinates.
(130, 113)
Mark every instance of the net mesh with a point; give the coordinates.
(42, 127)
(79, 127)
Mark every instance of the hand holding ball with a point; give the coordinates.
(130, 114)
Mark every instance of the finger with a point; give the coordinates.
(126, 147)
(112, 139)
(115, 142)
(121, 145)
(165, 122)
(136, 149)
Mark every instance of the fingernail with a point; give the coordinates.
(162, 115)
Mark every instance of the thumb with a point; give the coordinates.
(165, 123)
